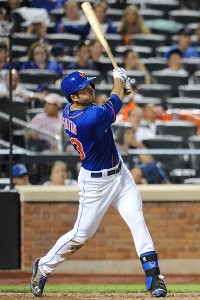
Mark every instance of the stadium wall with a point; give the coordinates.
(171, 213)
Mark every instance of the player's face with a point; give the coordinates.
(86, 96)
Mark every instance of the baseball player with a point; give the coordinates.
(103, 180)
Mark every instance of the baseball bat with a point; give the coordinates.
(94, 23)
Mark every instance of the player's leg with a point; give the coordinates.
(96, 196)
(129, 205)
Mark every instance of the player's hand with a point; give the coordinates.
(119, 73)
(127, 83)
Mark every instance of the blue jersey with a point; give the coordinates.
(90, 133)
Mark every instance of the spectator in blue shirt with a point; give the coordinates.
(184, 44)
(38, 58)
(84, 31)
(47, 4)
(72, 16)
(83, 62)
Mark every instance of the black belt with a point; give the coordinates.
(109, 173)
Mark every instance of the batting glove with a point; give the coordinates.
(127, 83)
(119, 73)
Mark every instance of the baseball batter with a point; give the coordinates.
(103, 180)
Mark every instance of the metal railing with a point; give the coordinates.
(27, 126)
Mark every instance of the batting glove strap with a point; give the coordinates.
(119, 73)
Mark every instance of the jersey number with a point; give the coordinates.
(79, 147)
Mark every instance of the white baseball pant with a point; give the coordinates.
(96, 195)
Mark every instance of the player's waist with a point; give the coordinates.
(102, 173)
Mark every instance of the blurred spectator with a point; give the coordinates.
(107, 26)
(38, 28)
(137, 174)
(196, 41)
(150, 117)
(174, 63)
(132, 62)
(72, 15)
(132, 22)
(154, 173)
(20, 176)
(51, 121)
(38, 58)
(12, 4)
(142, 131)
(58, 51)
(3, 61)
(97, 54)
(42, 91)
(19, 92)
(3, 16)
(83, 54)
(126, 140)
(5, 25)
(47, 4)
(59, 175)
(184, 44)
(85, 31)
(129, 102)
(100, 99)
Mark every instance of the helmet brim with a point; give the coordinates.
(82, 86)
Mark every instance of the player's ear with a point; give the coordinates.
(74, 97)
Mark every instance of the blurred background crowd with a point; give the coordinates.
(158, 44)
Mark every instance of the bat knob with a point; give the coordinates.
(127, 91)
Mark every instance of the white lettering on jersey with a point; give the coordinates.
(69, 125)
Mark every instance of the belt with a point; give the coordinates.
(109, 172)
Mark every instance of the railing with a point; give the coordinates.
(27, 126)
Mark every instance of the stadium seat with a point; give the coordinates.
(174, 80)
(114, 40)
(185, 129)
(194, 143)
(37, 76)
(184, 16)
(183, 103)
(162, 91)
(168, 161)
(154, 63)
(148, 40)
(24, 39)
(148, 100)
(197, 77)
(149, 14)
(191, 64)
(144, 52)
(19, 51)
(163, 5)
(137, 75)
(190, 90)
(19, 108)
(104, 89)
(192, 180)
(106, 64)
(114, 14)
(56, 14)
(68, 39)
(179, 175)
(160, 51)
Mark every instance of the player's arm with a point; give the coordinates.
(118, 88)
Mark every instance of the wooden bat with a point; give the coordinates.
(94, 23)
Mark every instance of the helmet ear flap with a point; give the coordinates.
(92, 85)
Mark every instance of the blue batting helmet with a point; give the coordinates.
(75, 82)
